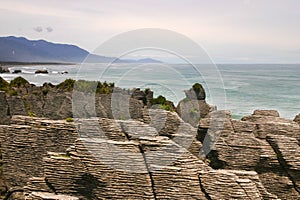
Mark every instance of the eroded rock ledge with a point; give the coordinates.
(100, 158)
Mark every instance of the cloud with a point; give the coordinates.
(38, 29)
(245, 28)
(49, 29)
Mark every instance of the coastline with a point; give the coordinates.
(246, 89)
(10, 64)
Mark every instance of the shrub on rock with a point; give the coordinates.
(18, 82)
(4, 85)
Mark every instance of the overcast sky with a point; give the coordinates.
(231, 31)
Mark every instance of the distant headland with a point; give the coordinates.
(21, 50)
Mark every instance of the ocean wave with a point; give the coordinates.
(41, 75)
(27, 72)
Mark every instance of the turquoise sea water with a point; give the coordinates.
(239, 88)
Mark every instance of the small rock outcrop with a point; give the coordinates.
(196, 92)
(194, 107)
(17, 71)
(41, 71)
(4, 70)
(297, 119)
(270, 113)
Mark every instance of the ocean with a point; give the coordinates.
(240, 88)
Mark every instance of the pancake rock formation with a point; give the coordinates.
(142, 153)
(101, 158)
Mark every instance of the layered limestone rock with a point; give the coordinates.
(272, 124)
(245, 184)
(105, 158)
(194, 107)
(213, 183)
(27, 141)
(49, 196)
(166, 159)
(242, 145)
(297, 119)
(4, 107)
(288, 153)
(96, 175)
(118, 148)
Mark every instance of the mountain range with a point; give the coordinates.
(20, 49)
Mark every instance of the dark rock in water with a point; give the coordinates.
(17, 71)
(42, 71)
(4, 70)
(64, 72)
(297, 119)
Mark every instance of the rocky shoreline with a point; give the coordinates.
(152, 150)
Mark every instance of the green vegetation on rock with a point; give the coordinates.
(162, 102)
(159, 100)
(69, 119)
(4, 85)
(13, 92)
(68, 85)
(87, 86)
(105, 88)
(165, 107)
(31, 114)
(18, 82)
(45, 91)
(196, 92)
(197, 87)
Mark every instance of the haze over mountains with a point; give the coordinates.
(20, 49)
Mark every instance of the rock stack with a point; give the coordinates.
(194, 107)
